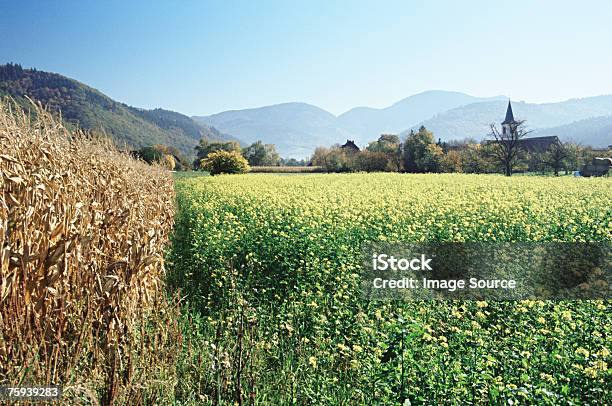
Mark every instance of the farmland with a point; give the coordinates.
(83, 229)
(269, 270)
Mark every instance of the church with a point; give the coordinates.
(532, 144)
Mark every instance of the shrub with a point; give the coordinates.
(224, 162)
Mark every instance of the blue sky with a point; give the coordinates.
(202, 57)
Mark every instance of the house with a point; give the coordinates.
(350, 146)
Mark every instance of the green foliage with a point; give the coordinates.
(390, 146)
(224, 162)
(421, 154)
(369, 161)
(150, 155)
(476, 158)
(293, 162)
(206, 146)
(87, 108)
(259, 154)
(338, 160)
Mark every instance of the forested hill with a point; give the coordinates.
(90, 109)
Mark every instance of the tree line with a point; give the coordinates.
(217, 156)
(420, 153)
(417, 153)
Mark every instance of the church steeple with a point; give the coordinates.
(509, 124)
(509, 115)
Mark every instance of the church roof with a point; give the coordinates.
(534, 144)
(538, 144)
(509, 115)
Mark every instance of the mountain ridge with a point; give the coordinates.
(449, 114)
(297, 128)
(473, 120)
(86, 107)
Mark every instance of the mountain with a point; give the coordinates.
(298, 128)
(295, 128)
(595, 131)
(473, 120)
(83, 106)
(368, 123)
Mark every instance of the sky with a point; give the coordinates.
(203, 57)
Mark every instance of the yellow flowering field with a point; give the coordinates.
(269, 269)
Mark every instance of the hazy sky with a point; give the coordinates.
(200, 57)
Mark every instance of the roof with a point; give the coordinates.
(533, 144)
(538, 144)
(509, 115)
(350, 144)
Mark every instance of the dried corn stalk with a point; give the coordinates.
(82, 233)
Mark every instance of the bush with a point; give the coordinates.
(224, 162)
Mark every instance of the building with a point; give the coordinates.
(538, 145)
(531, 145)
(350, 146)
(509, 125)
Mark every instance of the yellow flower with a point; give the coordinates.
(582, 351)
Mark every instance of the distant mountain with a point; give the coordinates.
(90, 109)
(368, 123)
(595, 131)
(473, 119)
(298, 128)
(295, 128)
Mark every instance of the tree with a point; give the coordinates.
(206, 147)
(369, 161)
(451, 162)
(555, 157)
(259, 154)
(421, 154)
(432, 159)
(390, 146)
(475, 158)
(506, 144)
(573, 158)
(338, 160)
(293, 162)
(181, 163)
(168, 162)
(150, 155)
(224, 162)
(318, 157)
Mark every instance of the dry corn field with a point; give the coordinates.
(83, 228)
